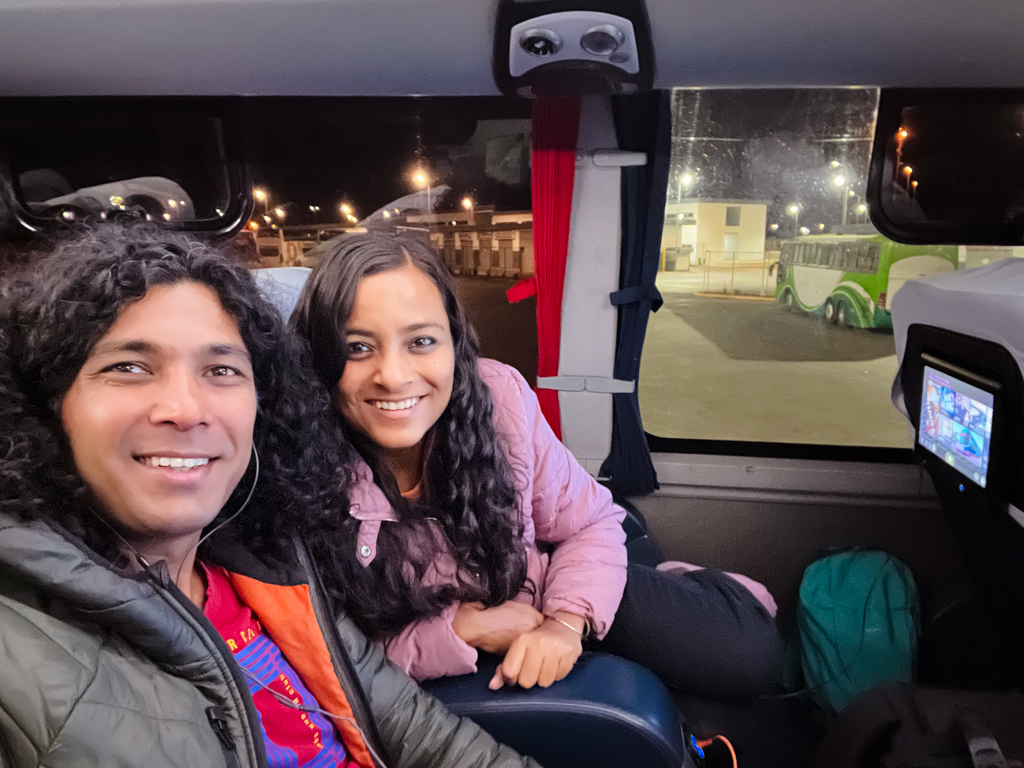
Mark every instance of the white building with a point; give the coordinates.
(712, 231)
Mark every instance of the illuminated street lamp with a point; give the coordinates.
(794, 211)
(901, 136)
(909, 172)
(262, 196)
(804, 231)
(842, 180)
(467, 203)
(773, 227)
(913, 189)
(862, 209)
(685, 180)
(420, 177)
(279, 212)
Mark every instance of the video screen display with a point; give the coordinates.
(956, 423)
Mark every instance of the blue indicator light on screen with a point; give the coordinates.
(961, 487)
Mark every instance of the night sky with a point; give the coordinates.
(772, 145)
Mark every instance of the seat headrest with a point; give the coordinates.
(984, 303)
(281, 286)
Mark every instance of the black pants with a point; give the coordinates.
(701, 632)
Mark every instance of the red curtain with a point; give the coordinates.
(555, 130)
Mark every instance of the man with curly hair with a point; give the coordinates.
(164, 456)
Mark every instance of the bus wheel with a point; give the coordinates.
(842, 314)
(787, 299)
(830, 311)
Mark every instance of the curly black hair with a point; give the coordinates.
(52, 315)
(468, 486)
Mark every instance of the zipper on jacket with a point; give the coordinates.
(161, 579)
(343, 666)
(219, 722)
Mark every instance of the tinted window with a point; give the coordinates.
(716, 367)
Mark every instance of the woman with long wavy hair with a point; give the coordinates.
(471, 527)
(165, 456)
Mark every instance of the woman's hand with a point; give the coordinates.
(495, 629)
(542, 656)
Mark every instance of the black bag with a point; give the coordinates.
(904, 726)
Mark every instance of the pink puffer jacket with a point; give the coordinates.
(563, 505)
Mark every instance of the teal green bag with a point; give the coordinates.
(858, 621)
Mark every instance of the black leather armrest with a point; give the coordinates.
(608, 713)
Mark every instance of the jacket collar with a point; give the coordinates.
(58, 567)
(366, 500)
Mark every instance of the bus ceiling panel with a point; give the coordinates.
(246, 47)
(914, 43)
(445, 47)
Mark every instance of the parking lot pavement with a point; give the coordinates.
(721, 369)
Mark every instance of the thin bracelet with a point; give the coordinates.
(565, 624)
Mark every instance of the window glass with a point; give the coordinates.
(787, 339)
(78, 160)
(790, 340)
(455, 169)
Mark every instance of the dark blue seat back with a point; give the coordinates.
(607, 713)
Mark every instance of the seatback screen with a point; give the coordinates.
(956, 423)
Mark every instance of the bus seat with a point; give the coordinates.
(281, 286)
(608, 712)
(960, 343)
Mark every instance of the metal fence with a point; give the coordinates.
(739, 272)
(498, 253)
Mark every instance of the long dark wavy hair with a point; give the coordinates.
(468, 486)
(52, 315)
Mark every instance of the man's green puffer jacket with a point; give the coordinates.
(102, 669)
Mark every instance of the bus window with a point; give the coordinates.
(805, 355)
(455, 169)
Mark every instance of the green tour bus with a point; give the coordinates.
(851, 279)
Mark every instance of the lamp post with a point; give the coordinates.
(842, 180)
(909, 172)
(262, 196)
(423, 180)
(685, 180)
(794, 211)
(901, 136)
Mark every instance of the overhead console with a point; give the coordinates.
(572, 47)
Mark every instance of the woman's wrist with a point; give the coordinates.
(571, 620)
(464, 623)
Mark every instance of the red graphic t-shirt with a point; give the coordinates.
(293, 738)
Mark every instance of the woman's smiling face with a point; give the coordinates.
(401, 361)
(160, 417)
